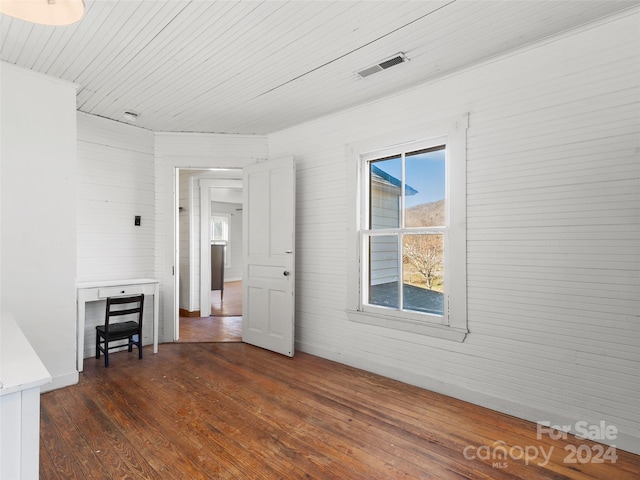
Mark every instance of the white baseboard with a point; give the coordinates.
(626, 441)
(60, 381)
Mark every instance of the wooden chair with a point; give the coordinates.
(112, 331)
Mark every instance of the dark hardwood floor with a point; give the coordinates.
(229, 304)
(231, 410)
(225, 322)
(211, 329)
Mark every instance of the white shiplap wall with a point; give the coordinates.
(115, 183)
(186, 300)
(38, 216)
(553, 181)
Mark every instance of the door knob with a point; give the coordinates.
(286, 274)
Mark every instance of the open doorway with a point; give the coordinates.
(209, 220)
(223, 325)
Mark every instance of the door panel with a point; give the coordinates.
(269, 255)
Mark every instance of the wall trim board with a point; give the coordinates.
(208, 134)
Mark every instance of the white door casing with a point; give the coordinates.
(268, 286)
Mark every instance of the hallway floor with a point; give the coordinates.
(225, 322)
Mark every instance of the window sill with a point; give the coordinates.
(429, 329)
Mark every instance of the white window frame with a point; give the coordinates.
(366, 231)
(453, 324)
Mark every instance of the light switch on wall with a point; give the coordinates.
(136, 221)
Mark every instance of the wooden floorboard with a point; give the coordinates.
(210, 329)
(230, 303)
(231, 410)
(225, 322)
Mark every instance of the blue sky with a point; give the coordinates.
(425, 173)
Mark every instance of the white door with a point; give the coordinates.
(268, 279)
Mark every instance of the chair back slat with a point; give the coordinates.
(138, 309)
(129, 311)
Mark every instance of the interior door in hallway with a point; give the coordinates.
(269, 255)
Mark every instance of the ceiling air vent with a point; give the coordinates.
(388, 63)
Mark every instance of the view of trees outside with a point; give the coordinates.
(423, 254)
(422, 258)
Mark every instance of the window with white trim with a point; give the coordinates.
(220, 233)
(403, 230)
(411, 229)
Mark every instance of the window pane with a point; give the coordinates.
(385, 179)
(423, 283)
(219, 229)
(383, 271)
(425, 188)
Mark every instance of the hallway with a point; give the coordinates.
(225, 322)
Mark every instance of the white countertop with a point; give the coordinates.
(20, 366)
(113, 283)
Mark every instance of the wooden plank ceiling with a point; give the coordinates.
(257, 67)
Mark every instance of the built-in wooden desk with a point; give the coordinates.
(95, 291)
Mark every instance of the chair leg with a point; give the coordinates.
(137, 343)
(97, 346)
(106, 352)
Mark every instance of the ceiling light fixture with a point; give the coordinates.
(45, 12)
